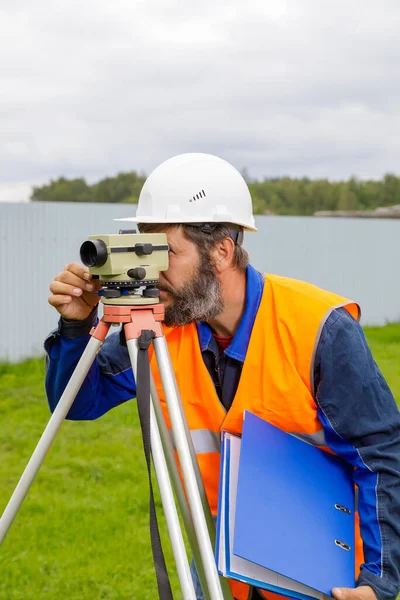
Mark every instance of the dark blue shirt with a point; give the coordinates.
(360, 418)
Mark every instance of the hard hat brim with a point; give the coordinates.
(153, 220)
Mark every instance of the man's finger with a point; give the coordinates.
(340, 593)
(74, 281)
(79, 270)
(57, 287)
(362, 592)
(57, 300)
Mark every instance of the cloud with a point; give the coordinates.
(92, 88)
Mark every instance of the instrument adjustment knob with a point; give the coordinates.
(151, 292)
(137, 273)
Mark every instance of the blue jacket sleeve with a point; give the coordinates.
(362, 424)
(110, 380)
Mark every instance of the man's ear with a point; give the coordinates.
(222, 254)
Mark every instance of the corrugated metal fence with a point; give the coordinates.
(354, 257)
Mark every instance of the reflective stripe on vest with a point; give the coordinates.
(204, 441)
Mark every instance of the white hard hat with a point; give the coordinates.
(195, 188)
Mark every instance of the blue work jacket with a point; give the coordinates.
(355, 405)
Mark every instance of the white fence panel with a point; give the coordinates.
(353, 257)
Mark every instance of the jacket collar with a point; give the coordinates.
(240, 342)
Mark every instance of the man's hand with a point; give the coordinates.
(362, 592)
(74, 292)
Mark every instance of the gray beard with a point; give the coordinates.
(200, 299)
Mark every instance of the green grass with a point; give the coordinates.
(385, 346)
(82, 532)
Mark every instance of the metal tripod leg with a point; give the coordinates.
(173, 400)
(178, 488)
(166, 493)
(50, 433)
(194, 489)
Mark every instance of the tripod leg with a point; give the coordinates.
(210, 522)
(49, 433)
(227, 594)
(177, 485)
(167, 497)
(194, 488)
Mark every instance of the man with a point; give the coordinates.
(283, 349)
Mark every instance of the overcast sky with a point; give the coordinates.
(296, 87)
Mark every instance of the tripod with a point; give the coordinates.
(193, 506)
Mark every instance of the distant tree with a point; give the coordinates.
(347, 200)
(390, 190)
(278, 195)
(245, 174)
(63, 190)
(119, 188)
(353, 185)
(110, 189)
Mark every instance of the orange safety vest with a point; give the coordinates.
(276, 382)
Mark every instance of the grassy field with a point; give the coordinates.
(82, 533)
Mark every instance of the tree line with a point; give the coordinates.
(280, 196)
